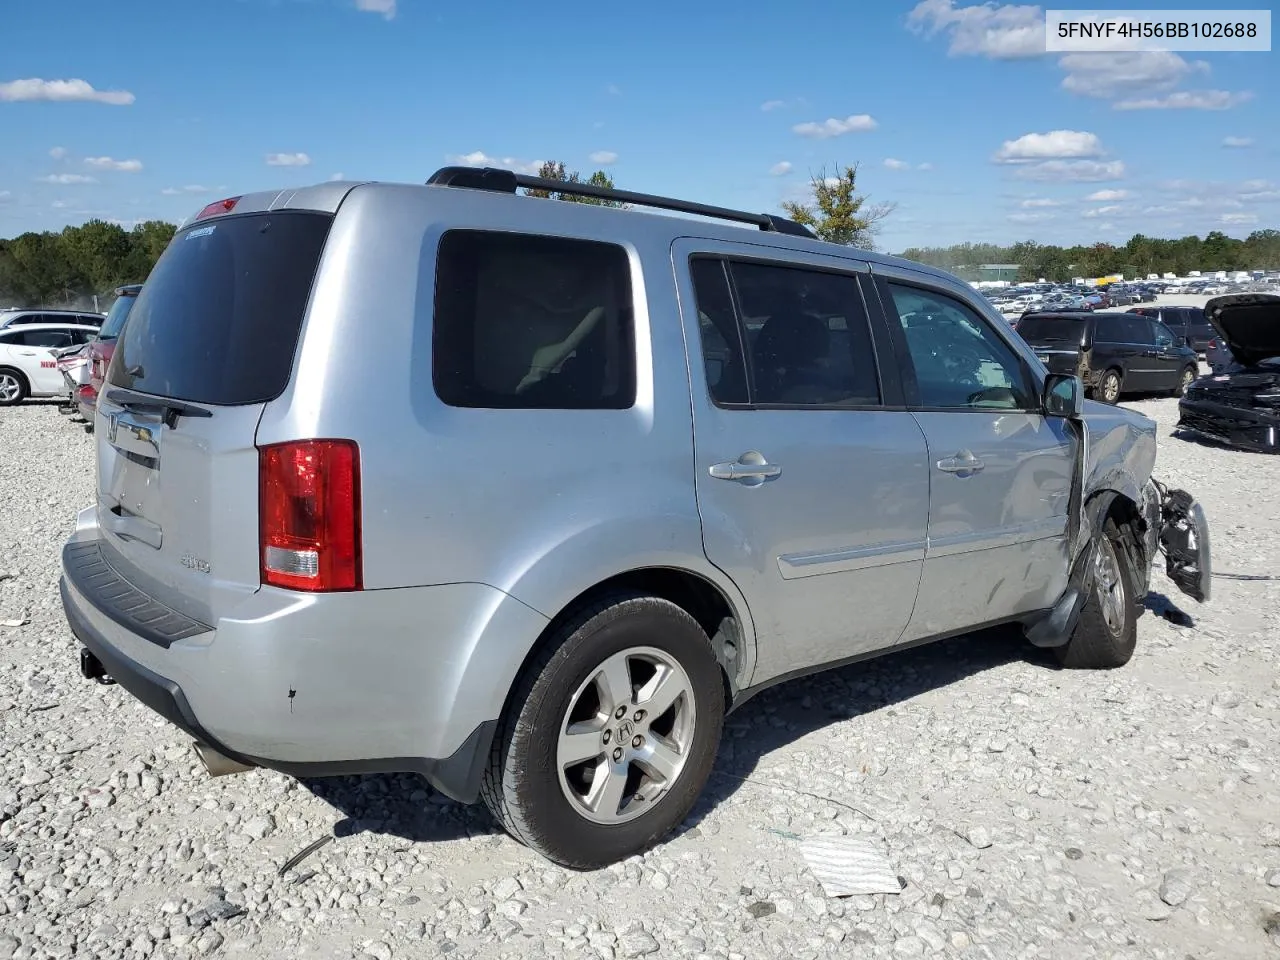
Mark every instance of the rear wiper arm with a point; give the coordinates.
(172, 409)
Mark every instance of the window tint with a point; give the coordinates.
(532, 322)
(84, 336)
(219, 318)
(1159, 332)
(116, 317)
(47, 338)
(1121, 328)
(723, 357)
(28, 318)
(807, 336)
(960, 362)
(12, 338)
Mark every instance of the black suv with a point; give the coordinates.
(1189, 323)
(1112, 352)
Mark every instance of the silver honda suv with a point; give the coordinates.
(523, 495)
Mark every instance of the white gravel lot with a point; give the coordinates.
(1030, 812)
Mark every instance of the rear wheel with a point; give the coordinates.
(610, 735)
(1109, 386)
(13, 387)
(1185, 379)
(1107, 631)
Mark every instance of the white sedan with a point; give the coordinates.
(28, 367)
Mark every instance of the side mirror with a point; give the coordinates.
(1063, 396)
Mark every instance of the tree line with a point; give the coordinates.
(1140, 256)
(68, 268)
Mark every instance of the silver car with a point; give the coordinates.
(523, 495)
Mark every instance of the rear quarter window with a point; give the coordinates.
(219, 317)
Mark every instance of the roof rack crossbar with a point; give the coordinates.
(507, 181)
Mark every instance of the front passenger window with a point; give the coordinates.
(960, 363)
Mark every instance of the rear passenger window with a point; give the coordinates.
(532, 322)
(803, 338)
(48, 338)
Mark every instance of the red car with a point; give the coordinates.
(101, 348)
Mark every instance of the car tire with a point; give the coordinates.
(13, 387)
(1188, 376)
(1109, 387)
(1107, 631)
(603, 807)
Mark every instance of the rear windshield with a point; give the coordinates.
(116, 317)
(218, 319)
(1043, 329)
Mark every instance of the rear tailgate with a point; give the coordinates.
(210, 340)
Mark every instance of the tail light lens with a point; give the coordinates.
(309, 502)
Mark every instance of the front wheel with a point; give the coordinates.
(610, 734)
(1107, 631)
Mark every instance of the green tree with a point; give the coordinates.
(556, 170)
(99, 251)
(147, 241)
(838, 213)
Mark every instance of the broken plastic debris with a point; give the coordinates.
(849, 866)
(14, 623)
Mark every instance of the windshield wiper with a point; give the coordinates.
(171, 409)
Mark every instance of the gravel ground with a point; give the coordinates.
(1029, 812)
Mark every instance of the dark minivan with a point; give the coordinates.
(1112, 352)
(1189, 323)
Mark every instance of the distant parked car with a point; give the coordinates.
(28, 360)
(1111, 353)
(1189, 323)
(26, 317)
(103, 346)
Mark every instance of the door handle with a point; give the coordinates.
(963, 462)
(750, 466)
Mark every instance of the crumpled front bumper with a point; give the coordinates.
(1181, 533)
(1253, 430)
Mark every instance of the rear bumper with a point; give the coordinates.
(381, 681)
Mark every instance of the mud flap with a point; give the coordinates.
(1184, 538)
(1054, 629)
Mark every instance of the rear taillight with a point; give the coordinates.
(218, 207)
(309, 515)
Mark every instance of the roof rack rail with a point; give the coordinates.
(508, 181)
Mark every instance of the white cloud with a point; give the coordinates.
(603, 157)
(385, 7)
(1102, 196)
(1237, 141)
(832, 127)
(1032, 202)
(1075, 170)
(4, 195)
(106, 163)
(781, 168)
(892, 163)
(190, 188)
(1113, 74)
(1238, 218)
(288, 160)
(999, 32)
(62, 91)
(1188, 100)
(1108, 211)
(58, 153)
(613, 90)
(67, 178)
(925, 166)
(478, 158)
(1054, 145)
(772, 105)
(336, 176)
(1030, 217)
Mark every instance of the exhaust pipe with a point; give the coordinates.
(215, 763)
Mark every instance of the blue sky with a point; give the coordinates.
(139, 109)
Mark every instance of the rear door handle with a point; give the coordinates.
(963, 462)
(750, 466)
